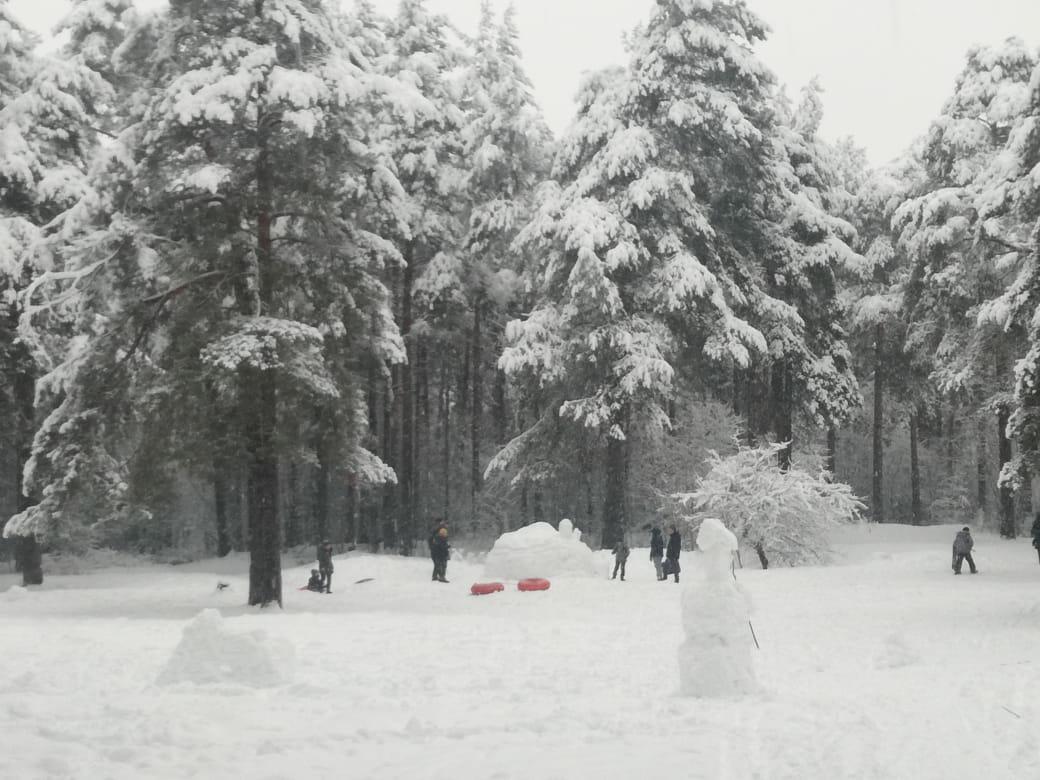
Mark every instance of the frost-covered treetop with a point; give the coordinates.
(16, 45)
(696, 60)
(991, 94)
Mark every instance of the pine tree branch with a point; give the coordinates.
(1007, 244)
(165, 295)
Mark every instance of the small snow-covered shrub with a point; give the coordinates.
(783, 515)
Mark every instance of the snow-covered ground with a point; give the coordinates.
(883, 665)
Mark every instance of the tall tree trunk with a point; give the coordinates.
(915, 472)
(260, 399)
(877, 499)
(424, 446)
(1007, 498)
(406, 475)
(832, 450)
(220, 490)
(614, 494)
(445, 401)
(28, 557)
(981, 468)
(294, 518)
(353, 501)
(501, 413)
(781, 405)
(321, 488)
(391, 391)
(475, 475)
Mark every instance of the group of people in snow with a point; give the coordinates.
(665, 559)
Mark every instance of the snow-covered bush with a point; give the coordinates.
(783, 515)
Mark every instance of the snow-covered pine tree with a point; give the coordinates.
(20, 218)
(424, 151)
(506, 146)
(1009, 204)
(245, 177)
(641, 237)
(873, 296)
(58, 116)
(810, 368)
(959, 261)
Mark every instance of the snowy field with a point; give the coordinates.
(883, 665)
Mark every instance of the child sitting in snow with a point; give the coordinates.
(315, 583)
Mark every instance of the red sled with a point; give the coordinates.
(484, 588)
(533, 583)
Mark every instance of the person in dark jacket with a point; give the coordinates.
(962, 547)
(620, 557)
(1035, 533)
(672, 554)
(657, 552)
(315, 583)
(440, 552)
(325, 564)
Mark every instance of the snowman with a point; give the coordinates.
(715, 660)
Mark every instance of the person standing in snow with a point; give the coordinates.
(962, 547)
(440, 552)
(1035, 533)
(325, 564)
(657, 552)
(620, 557)
(672, 554)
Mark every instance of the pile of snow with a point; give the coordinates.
(539, 550)
(715, 660)
(209, 652)
(895, 653)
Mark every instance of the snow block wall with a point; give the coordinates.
(716, 658)
(539, 550)
(210, 653)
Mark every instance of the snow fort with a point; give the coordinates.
(715, 660)
(539, 550)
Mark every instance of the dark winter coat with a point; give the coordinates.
(621, 551)
(1035, 532)
(963, 544)
(674, 545)
(325, 557)
(439, 548)
(656, 544)
(315, 584)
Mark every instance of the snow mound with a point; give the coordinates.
(209, 652)
(896, 652)
(15, 593)
(539, 550)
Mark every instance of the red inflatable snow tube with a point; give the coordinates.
(484, 588)
(533, 583)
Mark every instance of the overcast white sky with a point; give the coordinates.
(886, 65)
